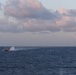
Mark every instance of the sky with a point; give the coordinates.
(37, 23)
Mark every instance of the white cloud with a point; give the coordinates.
(32, 16)
(27, 9)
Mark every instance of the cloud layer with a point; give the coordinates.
(27, 9)
(32, 16)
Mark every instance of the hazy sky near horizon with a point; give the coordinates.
(37, 23)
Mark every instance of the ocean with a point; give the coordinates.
(38, 61)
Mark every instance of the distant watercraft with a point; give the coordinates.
(6, 49)
(9, 49)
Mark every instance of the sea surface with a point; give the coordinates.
(38, 61)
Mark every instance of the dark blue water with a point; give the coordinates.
(38, 61)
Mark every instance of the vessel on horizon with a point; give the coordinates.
(9, 49)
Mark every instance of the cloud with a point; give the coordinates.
(28, 9)
(27, 25)
(32, 16)
(68, 20)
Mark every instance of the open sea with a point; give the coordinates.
(38, 61)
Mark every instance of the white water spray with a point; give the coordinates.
(12, 49)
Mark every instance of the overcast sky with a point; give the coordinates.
(37, 23)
